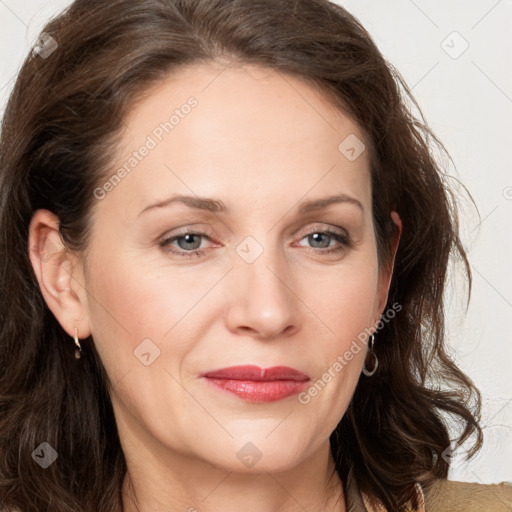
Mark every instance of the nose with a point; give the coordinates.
(263, 304)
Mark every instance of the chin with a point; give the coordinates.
(261, 455)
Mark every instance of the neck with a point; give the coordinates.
(182, 484)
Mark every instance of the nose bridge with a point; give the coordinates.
(265, 302)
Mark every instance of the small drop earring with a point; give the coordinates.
(78, 350)
(367, 372)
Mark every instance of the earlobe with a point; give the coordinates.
(58, 280)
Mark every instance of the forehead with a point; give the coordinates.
(215, 128)
(245, 96)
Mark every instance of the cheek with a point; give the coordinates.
(344, 301)
(130, 305)
(344, 298)
(141, 311)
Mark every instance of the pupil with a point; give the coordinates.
(317, 237)
(188, 239)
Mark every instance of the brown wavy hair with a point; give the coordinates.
(59, 131)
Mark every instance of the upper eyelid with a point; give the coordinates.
(199, 231)
(205, 234)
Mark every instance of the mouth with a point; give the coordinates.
(256, 384)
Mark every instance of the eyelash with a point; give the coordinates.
(344, 240)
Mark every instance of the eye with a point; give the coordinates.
(327, 241)
(189, 242)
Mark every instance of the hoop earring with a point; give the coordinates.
(367, 372)
(78, 350)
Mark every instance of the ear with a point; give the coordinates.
(60, 275)
(386, 272)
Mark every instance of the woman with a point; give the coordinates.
(224, 249)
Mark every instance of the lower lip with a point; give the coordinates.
(267, 391)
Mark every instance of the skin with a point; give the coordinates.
(263, 143)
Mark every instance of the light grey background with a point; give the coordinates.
(466, 96)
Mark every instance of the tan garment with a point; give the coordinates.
(443, 496)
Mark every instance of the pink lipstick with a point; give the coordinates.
(255, 384)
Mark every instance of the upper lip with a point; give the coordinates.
(257, 374)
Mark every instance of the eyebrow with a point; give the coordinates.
(217, 206)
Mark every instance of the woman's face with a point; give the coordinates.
(274, 275)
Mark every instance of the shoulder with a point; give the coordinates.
(453, 496)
